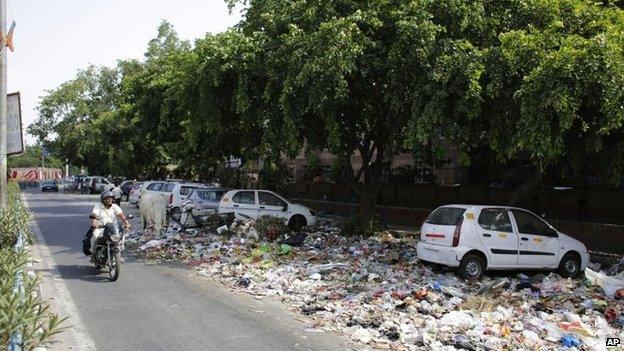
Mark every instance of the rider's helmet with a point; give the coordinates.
(105, 194)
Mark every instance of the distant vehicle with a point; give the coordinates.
(135, 193)
(125, 187)
(100, 184)
(252, 204)
(477, 238)
(50, 185)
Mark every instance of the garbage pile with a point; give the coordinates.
(377, 292)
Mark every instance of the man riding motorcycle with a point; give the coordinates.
(105, 213)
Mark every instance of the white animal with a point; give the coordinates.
(153, 212)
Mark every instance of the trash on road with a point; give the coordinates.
(377, 292)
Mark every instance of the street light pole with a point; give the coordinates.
(3, 111)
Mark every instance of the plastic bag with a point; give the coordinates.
(610, 285)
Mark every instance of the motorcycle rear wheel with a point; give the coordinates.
(113, 266)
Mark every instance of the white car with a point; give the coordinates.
(477, 238)
(174, 192)
(135, 193)
(179, 194)
(252, 204)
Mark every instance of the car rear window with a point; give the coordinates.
(208, 195)
(245, 197)
(167, 187)
(185, 190)
(446, 216)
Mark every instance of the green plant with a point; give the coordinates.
(270, 228)
(22, 311)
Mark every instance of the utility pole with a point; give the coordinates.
(3, 110)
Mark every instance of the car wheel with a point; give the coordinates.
(471, 267)
(570, 266)
(124, 197)
(297, 222)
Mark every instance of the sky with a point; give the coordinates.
(55, 38)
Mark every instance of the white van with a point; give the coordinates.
(476, 238)
(252, 204)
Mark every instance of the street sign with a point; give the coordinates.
(15, 140)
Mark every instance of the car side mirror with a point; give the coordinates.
(285, 208)
(553, 232)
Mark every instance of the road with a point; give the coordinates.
(153, 306)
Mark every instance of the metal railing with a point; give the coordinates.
(16, 343)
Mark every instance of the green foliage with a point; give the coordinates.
(32, 158)
(13, 219)
(270, 228)
(21, 313)
(275, 176)
(497, 82)
(231, 177)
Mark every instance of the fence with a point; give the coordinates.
(594, 216)
(15, 343)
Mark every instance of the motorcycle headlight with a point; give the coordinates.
(115, 237)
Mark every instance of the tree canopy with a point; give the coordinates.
(536, 82)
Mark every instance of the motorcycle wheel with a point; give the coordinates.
(113, 267)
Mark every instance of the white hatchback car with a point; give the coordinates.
(252, 204)
(476, 238)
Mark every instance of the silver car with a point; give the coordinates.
(205, 198)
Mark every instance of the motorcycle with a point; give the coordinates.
(108, 248)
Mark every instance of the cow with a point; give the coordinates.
(153, 211)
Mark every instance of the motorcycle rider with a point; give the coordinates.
(108, 213)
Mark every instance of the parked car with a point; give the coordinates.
(125, 187)
(205, 198)
(95, 184)
(49, 184)
(173, 192)
(178, 195)
(252, 204)
(135, 193)
(477, 238)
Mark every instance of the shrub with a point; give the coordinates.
(21, 312)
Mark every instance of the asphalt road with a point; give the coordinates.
(159, 306)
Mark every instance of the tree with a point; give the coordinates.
(325, 80)
(537, 80)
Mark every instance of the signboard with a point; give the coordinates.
(15, 140)
(33, 174)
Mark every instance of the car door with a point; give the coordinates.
(539, 243)
(270, 204)
(245, 204)
(497, 235)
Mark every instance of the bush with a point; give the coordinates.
(21, 313)
(270, 228)
(356, 226)
(13, 219)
